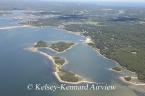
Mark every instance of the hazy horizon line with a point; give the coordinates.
(85, 1)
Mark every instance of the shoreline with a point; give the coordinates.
(131, 82)
(49, 48)
(14, 27)
(94, 48)
(140, 87)
(70, 32)
(36, 50)
(115, 70)
(59, 27)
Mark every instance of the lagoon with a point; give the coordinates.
(18, 67)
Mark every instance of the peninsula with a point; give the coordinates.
(61, 74)
(118, 37)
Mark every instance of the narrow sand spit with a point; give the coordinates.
(32, 49)
(13, 27)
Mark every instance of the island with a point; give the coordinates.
(63, 76)
(58, 60)
(68, 76)
(61, 46)
(41, 44)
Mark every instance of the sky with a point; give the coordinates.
(131, 1)
(140, 1)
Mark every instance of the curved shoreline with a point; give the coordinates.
(61, 28)
(95, 49)
(138, 86)
(35, 50)
(131, 82)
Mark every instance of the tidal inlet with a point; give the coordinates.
(72, 48)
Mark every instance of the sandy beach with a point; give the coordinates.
(136, 83)
(115, 70)
(35, 50)
(13, 27)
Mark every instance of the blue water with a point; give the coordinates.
(19, 67)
